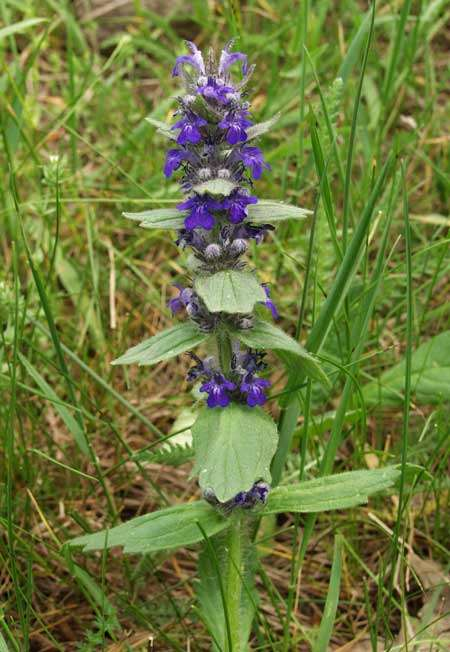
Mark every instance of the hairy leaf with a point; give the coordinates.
(330, 492)
(167, 528)
(267, 211)
(209, 596)
(430, 376)
(265, 335)
(172, 455)
(165, 345)
(262, 127)
(234, 447)
(230, 291)
(158, 218)
(162, 128)
(215, 187)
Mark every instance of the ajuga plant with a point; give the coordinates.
(222, 308)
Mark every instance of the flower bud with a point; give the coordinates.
(204, 173)
(213, 251)
(238, 247)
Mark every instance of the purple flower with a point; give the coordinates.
(248, 362)
(236, 204)
(235, 122)
(269, 303)
(254, 388)
(217, 389)
(252, 158)
(192, 239)
(253, 231)
(189, 127)
(174, 159)
(228, 58)
(195, 60)
(200, 207)
(260, 491)
(215, 89)
(184, 299)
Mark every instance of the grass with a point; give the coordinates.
(79, 285)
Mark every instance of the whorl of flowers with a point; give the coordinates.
(211, 138)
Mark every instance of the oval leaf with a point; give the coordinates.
(167, 528)
(230, 291)
(159, 218)
(267, 211)
(262, 127)
(162, 128)
(215, 187)
(234, 447)
(165, 345)
(265, 335)
(330, 492)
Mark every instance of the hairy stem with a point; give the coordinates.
(233, 589)
(225, 351)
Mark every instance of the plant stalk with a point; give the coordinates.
(225, 351)
(233, 590)
(233, 587)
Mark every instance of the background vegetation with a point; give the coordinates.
(79, 285)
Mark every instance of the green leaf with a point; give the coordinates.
(234, 447)
(167, 528)
(267, 211)
(331, 604)
(430, 376)
(170, 455)
(215, 187)
(262, 127)
(210, 600)
(265, 335)
(230, 291)
(162, 128)
(330, 492)
(159, 218)
(165, 345)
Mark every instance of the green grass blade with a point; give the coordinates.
(331, 604)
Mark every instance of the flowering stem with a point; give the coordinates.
(233, 582)
(225, 351)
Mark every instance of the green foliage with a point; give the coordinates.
(165, 529)
(158, 218)
(329, 613)
(262, 127)
(265, 335)
(430, 376)
(214, 187)
(229, 291)
(233, 448)
(331, 492)
(268, 211)
(170, 454)
(164, 345)
(211, 570)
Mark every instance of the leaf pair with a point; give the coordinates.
(264, 212)
(229, 292)
(178, 526)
